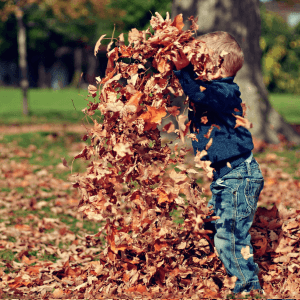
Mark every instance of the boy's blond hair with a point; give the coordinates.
(220, 41)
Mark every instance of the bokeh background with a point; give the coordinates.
(60, 39)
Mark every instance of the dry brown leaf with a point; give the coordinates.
(241, 121)
(204, 119)
(246, 252)
(58, 293)
(178, 22)
(96, 49)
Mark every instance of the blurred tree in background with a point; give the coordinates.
(137, 14)
(72, 20)
(280, 45)
(55, 27)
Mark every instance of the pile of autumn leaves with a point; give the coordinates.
(131, 183)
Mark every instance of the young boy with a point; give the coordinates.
(237, 180)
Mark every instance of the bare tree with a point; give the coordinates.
(22, 58)
(77, 66)
(241, 18)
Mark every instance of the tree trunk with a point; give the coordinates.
(91, 68)
(22, 59)
(77, 66)
(241, 18)
(42, 75)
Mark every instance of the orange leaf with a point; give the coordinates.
(261, 246)
(180, 60)
(183, 128)
(58, 293)
(202, 88)
(23, 227)
(126, 277)
(241, 121)
(33, 270)
(170, 127)
(138, 288)
(70, 272)
(73, 202)
(209, 144)
(125, 51)
(18, 282)
(163, 65)
(27, 261)
(174, 110)
(153, 116)
(158, 245)
(204, 120)
(135, 99)
(121, 247)
(178, 22)
(163, 197)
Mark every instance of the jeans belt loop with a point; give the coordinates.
(248, 161)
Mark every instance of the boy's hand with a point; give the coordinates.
(180, 60)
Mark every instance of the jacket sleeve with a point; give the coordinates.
(213, 94)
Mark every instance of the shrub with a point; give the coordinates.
(280, 46)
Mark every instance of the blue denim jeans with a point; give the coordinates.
(234, 200)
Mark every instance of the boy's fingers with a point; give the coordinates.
(180, 60)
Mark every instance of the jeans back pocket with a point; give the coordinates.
(252, 191)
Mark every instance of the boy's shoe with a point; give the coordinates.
(259, 292)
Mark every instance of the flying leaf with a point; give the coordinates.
(177, 177)
(173, 110)
(64, 162)
(178, 22)
(241, 121)
(98, 43)
(183, 128)
(194, 26)
(246, 252)
(122, 149)
(204, 119)
(170, 127)
(153, 116)
(92, 90)
(135, 99)
(208, 145)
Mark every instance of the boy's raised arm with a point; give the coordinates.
(199, 91)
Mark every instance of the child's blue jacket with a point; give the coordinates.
(216, 105)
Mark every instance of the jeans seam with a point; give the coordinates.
(233, 237)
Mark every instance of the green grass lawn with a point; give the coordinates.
(288, 105)
(47, 105)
